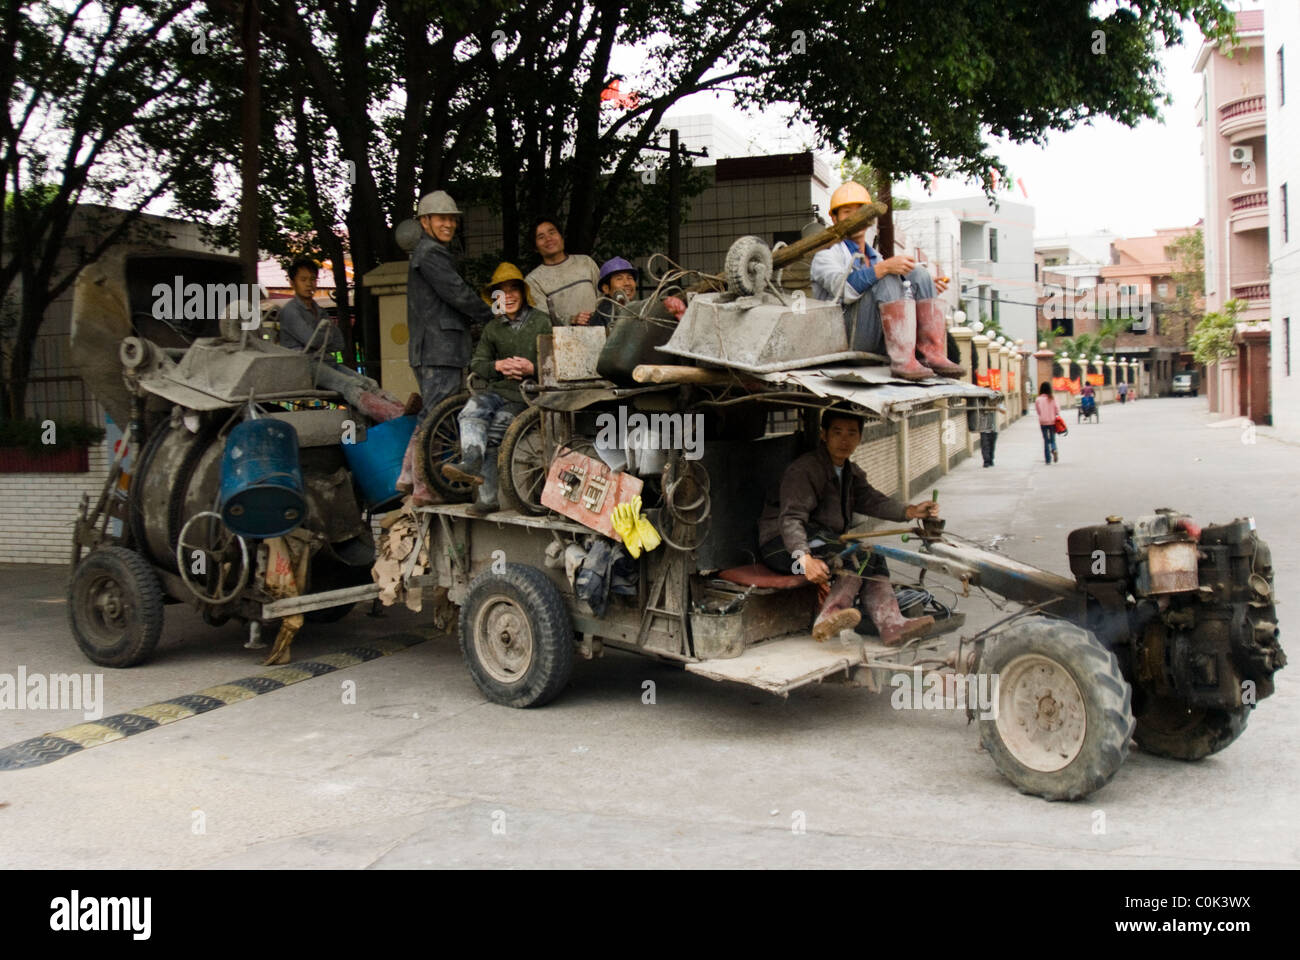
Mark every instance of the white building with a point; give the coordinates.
(704, 131)
(933, 237)
(1282, 98)
(997, 262)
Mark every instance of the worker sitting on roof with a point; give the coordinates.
(801, 522)
(871, 291)
(505, 355)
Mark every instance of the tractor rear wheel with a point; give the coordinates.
(1168, 728)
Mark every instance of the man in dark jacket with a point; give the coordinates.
(440, 306)
(797, 530)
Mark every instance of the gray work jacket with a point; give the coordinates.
(812, 495)
(440, 306)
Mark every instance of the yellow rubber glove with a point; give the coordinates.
(623, 521)
(648, 534)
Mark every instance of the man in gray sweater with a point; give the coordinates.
(565, 284)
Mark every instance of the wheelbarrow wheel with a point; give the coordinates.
(516, 636)
(522, 464)
(1062, 712)
(115, 607)
(438, 443)
(1168, 728)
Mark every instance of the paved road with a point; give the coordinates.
(421, 771)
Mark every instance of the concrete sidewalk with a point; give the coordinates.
(421, 771)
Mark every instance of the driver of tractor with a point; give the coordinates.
(870, 290)
(801, 522)
(505, 355)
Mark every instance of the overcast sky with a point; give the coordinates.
(1100, 177)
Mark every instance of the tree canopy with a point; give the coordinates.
(367, 104)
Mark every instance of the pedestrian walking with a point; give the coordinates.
(985, 423)
(1048, 411)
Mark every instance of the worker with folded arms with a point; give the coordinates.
(870, 289)
(506, 355)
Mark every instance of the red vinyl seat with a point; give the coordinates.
(760, 575)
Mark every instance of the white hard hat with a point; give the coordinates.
(437, 202)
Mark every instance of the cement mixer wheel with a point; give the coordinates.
(115, 607)
(748, 266)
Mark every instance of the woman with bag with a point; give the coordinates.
(1049, 413)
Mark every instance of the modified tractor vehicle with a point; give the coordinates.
(1165, 633)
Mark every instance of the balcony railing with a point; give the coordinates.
(1241, 107)
(1249, 201)
(1250, 291)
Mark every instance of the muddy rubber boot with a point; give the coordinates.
(900, 341)
(469, 469)
(838, 612)
(487, 493)
(932, 338)
(882, 606)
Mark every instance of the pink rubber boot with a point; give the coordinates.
(900, 341)
(838, 613)
(932, 338)
(882, 606)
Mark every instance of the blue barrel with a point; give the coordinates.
(261, 480)
(377, 462)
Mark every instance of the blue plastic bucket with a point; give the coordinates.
(377, 462)
(261, 480)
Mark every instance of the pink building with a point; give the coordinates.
(1231, 114)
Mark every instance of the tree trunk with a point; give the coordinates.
(885, 236)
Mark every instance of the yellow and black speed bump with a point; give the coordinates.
(51, 746)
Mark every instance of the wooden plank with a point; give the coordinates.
(779, 666)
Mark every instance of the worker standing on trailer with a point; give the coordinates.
(802, 520)
(440, 306)
(871, 290)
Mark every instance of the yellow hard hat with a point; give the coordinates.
(504, 273)
(847, 193)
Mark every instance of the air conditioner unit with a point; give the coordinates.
(1241, 154)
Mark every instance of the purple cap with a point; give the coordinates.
(616, 265)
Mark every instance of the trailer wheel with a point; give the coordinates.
(516, 636)
(1062, 710)
(1168, 728)
(439, 443)
(115, 607)
(522, 464)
